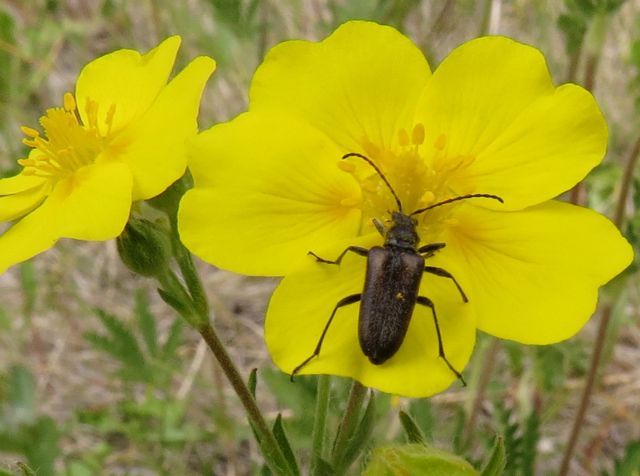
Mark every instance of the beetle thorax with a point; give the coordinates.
(402, 232)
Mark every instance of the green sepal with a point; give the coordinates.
(285, 446)
(414, 433)
(494, 465)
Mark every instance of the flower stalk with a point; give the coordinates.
(319, 424)
(349, 423)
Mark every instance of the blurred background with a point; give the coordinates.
(98, 376)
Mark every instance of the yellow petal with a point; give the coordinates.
(359, 84)
(154, 146)
(522, 139)
(19, 204)
(301, 306)
(267, 190)
(127, 80)
(94, 203)
(33, 234)
(533, 276)
(19, 183)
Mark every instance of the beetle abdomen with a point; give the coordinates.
(390, 291)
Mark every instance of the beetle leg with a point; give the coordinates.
(430, 249)
(355, 249)
(425, 301)
(446, 274)
(342, 302)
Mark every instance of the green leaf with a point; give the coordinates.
(324, 468)
(22, 394)
(360, 437)
(253, 382)
(414, 434)
(125, 347)
(146, 323)
(42, 448)
(497, 460)
(174, 302)
(416, 459)
(174, 339)
(285, 446)
(630, 463)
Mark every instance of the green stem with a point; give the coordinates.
(605, 318)
(191, 279)
(485, 23)
(319, 423)
(272, 452)
(194, 314)
(349, 422)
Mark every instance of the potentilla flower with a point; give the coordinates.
(270, 186)
(119, 139)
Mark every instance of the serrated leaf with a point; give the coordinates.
(125, 346)
(285, 446)
(146, 323)
(414, 434)
(494, 465)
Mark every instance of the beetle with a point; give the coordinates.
(392, 282)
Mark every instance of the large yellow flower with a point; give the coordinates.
(121, 138)
(270, 186)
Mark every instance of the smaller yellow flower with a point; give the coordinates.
(120, 138)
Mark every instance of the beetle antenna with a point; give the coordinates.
(455, 199)
(384, 179)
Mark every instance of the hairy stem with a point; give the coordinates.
(350, 420)
(319, 424)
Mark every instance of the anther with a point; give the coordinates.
(69, 102)
(29, 132)
(403, 137)
(440, 142)
(346, 166)
(417, 136)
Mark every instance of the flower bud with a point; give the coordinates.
(416, 459)
(145, 248)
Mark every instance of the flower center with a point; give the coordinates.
(67, 144)
(419, 173)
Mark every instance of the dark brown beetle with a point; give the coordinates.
(392, 282)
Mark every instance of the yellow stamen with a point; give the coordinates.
(29, 132)
(346, 166)
(66, 144)
(417, 136)
(69, 102)
(440, 142)
(403, 137)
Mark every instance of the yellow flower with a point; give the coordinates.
(270, 186)
(120, 138)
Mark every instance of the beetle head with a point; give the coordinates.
(402, 232)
